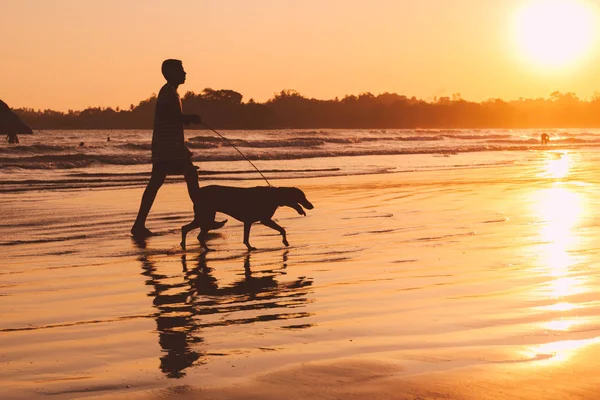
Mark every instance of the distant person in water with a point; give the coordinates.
(170, 156)
(12, 138)
(545, 138)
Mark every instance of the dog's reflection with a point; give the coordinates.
(185, 302)
(204, 283)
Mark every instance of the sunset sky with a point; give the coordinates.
(71, 54)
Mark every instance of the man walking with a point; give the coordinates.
(170, 156)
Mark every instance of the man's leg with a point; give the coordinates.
(191, 179)
(156, 180)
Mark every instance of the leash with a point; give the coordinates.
(243, 155)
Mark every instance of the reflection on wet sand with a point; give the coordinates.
(182, 300)
(560, 211)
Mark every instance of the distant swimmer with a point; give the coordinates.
(108, 139)
(81, 144)
(545, 138)
(12, 138)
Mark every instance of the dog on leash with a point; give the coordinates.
(247, 205)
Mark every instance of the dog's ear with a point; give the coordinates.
(284, 194)
(304, 201)
(296, 198)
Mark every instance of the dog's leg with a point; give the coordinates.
(247, 226)
(273, 225)
(206, 222)
(186, 228)
(202, 237)
(218, 224)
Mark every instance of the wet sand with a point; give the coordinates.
(465, 283)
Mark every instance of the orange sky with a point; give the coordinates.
(70, 54)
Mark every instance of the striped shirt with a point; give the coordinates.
(167, 136)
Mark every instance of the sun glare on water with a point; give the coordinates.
(558, 166)
(554, 34)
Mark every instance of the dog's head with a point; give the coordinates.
(294, 197)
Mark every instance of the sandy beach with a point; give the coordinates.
(451, 150)
(458, 283)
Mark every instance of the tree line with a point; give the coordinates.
(225, 109)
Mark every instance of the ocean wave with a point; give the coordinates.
(47, 151)
(441, 131)
(301, 141)
(574, 140)
(44, 149)
(136, 146)
(35, 148)
(69, 161)
(208, 142)
(478, 137)
(82, 160)
(106, 180)
(570, 140)
(513, 141)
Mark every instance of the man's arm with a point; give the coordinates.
(168, 108)
(172, 112)
(191, 119)
(168, 111)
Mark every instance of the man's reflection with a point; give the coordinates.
(182, 299)
(174, 321)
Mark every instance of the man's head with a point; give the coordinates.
(173, 71)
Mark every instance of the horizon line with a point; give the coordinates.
(433, 99)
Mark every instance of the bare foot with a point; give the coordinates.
(141, 232)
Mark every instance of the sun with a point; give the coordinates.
(556, 33)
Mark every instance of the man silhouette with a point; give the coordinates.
(170, 156)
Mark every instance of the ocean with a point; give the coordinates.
(453, 264)
(51, 160)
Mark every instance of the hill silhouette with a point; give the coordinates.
(225, 109)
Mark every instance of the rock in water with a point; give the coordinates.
(10, 123)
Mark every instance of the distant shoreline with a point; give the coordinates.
(224, 109)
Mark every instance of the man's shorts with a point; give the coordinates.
(172, 167)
